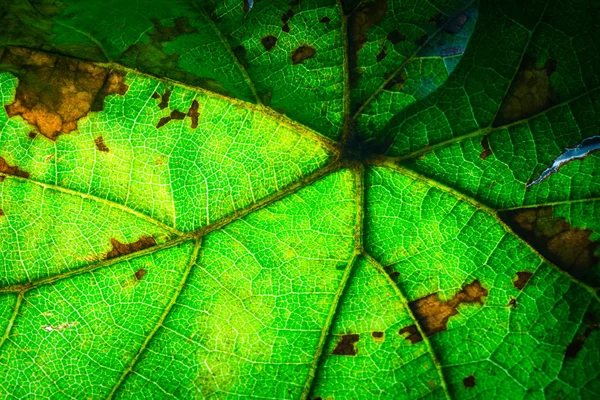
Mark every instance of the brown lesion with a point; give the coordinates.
(139, 274)
(486, 152)
(530, 93)
(412, 334)
(521, 279)
(192, 114)
(469, 381)
(346, 345)
(54, 93)
(6, 168)
(433, 314)
(100, 145)
(121, 249)
(569, 248)
(302, 54)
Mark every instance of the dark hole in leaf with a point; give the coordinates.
(285, 28)
(269, 42)
(433, 314)
(194, 114)
(2, 214)
(591, 324)
(32, 135)
(512, 303)
(302, 53)
(522, 279)
(287, 16)
(382, 54)
(377, 335)
(139, 274)
(345, 347)
(413, 334)
(486, 152)
(325, 20)
(241, 54)
(396, 81)
(469, 381)
(395, 37)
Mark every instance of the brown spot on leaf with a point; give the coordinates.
(269, 42)
(363, 19)
(54, 93)
(139, 274)
(512, 303)
(469, 381)
(302, 53)
(345, 347)
(522, 279)
(433, 314)
(155, 96)
(32, 135)
(395, 37)
(569, 248)
(382, 54)
(325, 20)
(591, 322)
(2, 214)
(164, 99)
(486, 152)
(396, 81)
(529, 94)
(286, 28)
(287, 16)
(377, 335)
(100, 145)
(194, 114)
(7, 169)
(413, 334)
(120, 249)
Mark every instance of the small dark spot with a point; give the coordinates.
(269, 42)
(287, 16)
(382, 54)
(512, 303)
(377, 335)
(176, 114)
(413, 334)
(164, 101)
(162, 122)
(2, 214)
(32, 135)
(469, 381)
(345, 346)
(396, 81)
(7, 169)
(522, 279)
(194, 114)
(100, 145)
(285, 28)
(433, 314)
(121, 249)
(395, 37)
(302, 53)
(139, 274)
(486, 152)
(241, 54)
(422, 40)
(155, 96)
(325, 20)
(363, 19)
(393, 274)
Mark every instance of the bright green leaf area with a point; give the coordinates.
(314, 199)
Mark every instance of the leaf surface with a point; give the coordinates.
(311, 199)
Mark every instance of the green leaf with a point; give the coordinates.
(314, 199)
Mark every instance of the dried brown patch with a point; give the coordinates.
(100, 145)
(120, 249)
(54, 93)
(345, 347)
(469, 381)
(139, 274)
(269, 42)
(413, 334)
(522, 279)
(433, 314)
(591, 324)
(363, 19)
(486, 152)
(287, 16)
(164, 98)
(194, 114)
(377, 335)
(396, 81)
(529, 94)
(512, 303)
(7, 169)
(569, 248)
(2, 214)
(302, 54)
(32, 135)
